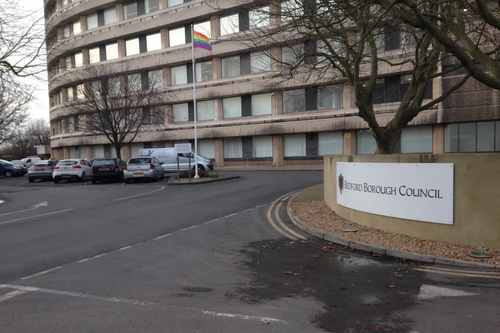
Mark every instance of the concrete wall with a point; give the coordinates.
(477, 193)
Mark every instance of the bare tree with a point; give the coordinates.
(25, 139)
(118, 106)
(13, 103)
(345, 41)
(469, 30)
(39, 131)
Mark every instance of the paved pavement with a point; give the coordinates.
(150, 257)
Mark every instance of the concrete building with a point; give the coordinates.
(245, 116)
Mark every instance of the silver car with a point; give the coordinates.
(143, 167)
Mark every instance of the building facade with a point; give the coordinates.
(246, 116)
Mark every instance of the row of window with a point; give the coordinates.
(472, 137)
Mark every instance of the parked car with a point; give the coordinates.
(107, 168)
(143, 167)
(169, 159)
(21, 164)
(8, 169)
(91, 161)
(41, 170)
(72, 168)
(30, 160)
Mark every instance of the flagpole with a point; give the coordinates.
(194, 102)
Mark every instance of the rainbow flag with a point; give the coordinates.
(200, 40)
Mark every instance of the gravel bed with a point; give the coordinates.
(327, 220)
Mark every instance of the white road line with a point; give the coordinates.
(138, 195)
(41, 273)
(94, 257)
(211, 221)
(230, 215)
(162, 236)
(12, 294)
(191, 227)
(34, 216)
(43, 204)
(246, 210)
(84, 260)
(125, 247)
(140, 303)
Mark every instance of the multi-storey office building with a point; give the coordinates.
(242, 118)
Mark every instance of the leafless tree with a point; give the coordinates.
(25, 139)
(118, 106)
(344, 42)
(39, 131)
(13, 103)
(467, 29)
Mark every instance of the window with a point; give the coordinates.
(152, 6)
(206, 148)
(229, 24)
(132, 46)
(92, 21)
(153, 42)
(472, 137)
(71, 125)
(295, 145)
(65, 2)
(59, 127)
(69, 62)
(203, 71)
(80, 91)
(70, 93)
(172, 3)
(324, 48)
(261, 104)
(155, 78)
(134, 82)
(204, 28)
(231, 107)
(177, 36)
(416, 139)
(79, 59)
(291, 10)
(178, 75)
(109, 15)
(94, 55)
(77, 27)
(330, 143)
(365, 143)
(114, 86)
(112, 51)
(294, 101)
(205, 110)
(291, 55)
(233, 148)
(259, 17)
(66, 31)
(231, 67)
(130, 10)
(329, 97)
(80, 123)
(259, 62)
(180, 112)
(393, 88)
(262, 146)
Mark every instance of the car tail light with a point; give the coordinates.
(117, 170)
(151, 166)
(77, 167)
(92, 171)
(56, 167)
(31, 169)
(125, 168)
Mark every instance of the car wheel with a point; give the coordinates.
(94, 181)
(8, 173)
(82, 178)
(127, 181)
(157, 177)
(163, 175)
(56, 181)
(200, 168)
(31, 180)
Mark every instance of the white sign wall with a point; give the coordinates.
(421, 192)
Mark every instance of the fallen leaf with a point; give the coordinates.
(302, 267)
(297, 273)
(308, 271)
(266, 322)
(314, 256)
(413, 291)
(288, 272)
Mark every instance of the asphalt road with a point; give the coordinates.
(149, 257)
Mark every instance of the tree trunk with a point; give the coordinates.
(386, 139)
(118, 150)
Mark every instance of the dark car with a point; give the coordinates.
(107, 168)
(41, 170)
(8, 169)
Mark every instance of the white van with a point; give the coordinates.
(30, 160)
(168, 158)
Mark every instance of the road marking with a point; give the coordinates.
(230, 215)
(276, 215)
(470, 271)
(95, 257)
(191, 227)
(41, 273)
(140, 303)
(430, 292)
(270, 219)
(34, 216)
(125, 247)
(162, 236)
(138, 195)
(12, 294)
(456, 274)
(211, 221)
(43, 204)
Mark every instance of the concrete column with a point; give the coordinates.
(277, 103)
(278, 151)
(215, 26)
(86, 56)
(83, 23)
(438, 139)
(122, 49)
(350, 142)
(346, 96)
(275, 10)
(163, 4)
(119, 11)
(65, 152)
(169, 144)
(126, 152)
(217, 68)
(164, 38)
(167, 81)
(169, 114)
(219, 152)
(276, 58)
(218, 109)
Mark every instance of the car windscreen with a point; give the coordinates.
(139, 161)
(103, 163)
(67, 162)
